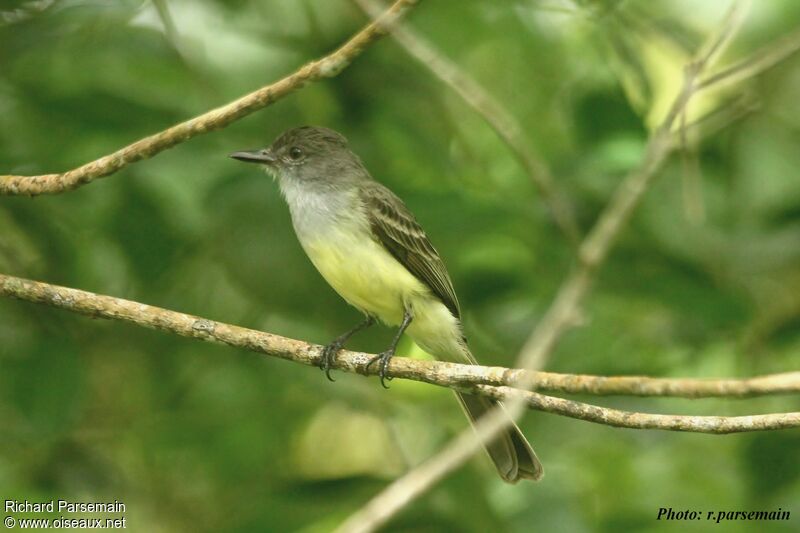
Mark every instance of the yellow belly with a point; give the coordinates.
(370, 279)
(365, 275)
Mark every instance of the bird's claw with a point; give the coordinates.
(328, 357)
(384, 358)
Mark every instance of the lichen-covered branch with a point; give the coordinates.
(782, 383)
(490, 381)
(220, 117)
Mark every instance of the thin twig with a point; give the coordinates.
(493, 113)
(691, 182)
(753, 65)
(325, 67)
(691, 178)
(717, 120)
(716, 44)
(717, 425)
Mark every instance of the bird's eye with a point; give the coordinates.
(295, 153)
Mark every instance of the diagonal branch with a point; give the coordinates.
(492, 111)
(326, 67)
(753, 65)
(593, 251)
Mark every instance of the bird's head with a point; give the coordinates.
(307, 154)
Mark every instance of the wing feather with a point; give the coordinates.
(397, 230)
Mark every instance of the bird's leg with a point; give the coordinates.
(330, 351)
(385, 356)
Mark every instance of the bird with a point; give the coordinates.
(371, 250)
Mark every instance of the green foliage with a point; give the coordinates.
(192, 436)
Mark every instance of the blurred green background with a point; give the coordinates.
(192, 436)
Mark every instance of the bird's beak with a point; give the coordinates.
(255, 156)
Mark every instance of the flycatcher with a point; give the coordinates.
(371, 250)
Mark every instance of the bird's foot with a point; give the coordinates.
(328, 357)
(384, 358)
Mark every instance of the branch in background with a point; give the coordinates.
(756, 63)
(691, 182)
(717, 120)
(565, 309)
(381, 508)
(25, 12)
(499, 119)
(325, 67)
(593, 251)
(694, 206)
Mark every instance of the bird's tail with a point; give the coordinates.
(510, 452)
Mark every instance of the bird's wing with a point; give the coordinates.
(395, 228)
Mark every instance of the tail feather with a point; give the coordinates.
(510, 452)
